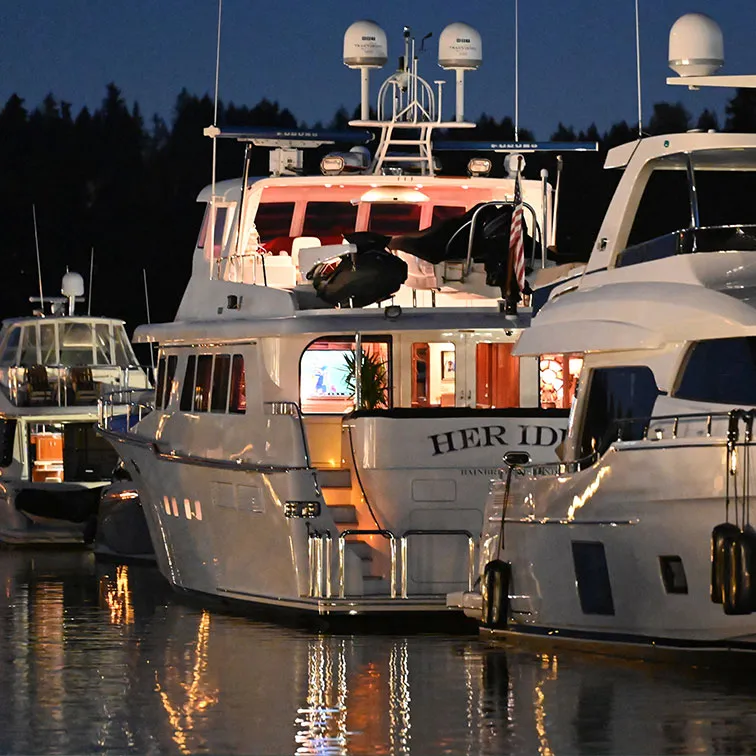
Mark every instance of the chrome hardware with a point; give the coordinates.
(302, 509)
(423, 532)
(517, 458)
(358, 531)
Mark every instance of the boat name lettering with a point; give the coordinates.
(488, 472)
(492, 435)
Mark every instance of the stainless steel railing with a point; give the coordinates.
(320, 555)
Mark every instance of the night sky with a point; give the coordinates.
(577, 57)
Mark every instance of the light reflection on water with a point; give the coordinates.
(100, 658)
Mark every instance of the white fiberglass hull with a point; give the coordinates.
(588, 549)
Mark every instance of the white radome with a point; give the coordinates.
(460, 47)
(365, 45)
(696, 45)
(72, 285)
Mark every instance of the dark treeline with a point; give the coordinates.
(127, 187)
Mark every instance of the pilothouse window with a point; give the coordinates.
(721, 371)
(325, 219)
(273, 219)
(392, 218)
(620, 402)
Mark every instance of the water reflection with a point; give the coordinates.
(102, 657)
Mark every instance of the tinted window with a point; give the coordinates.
(170, 373)
(160, 388)
(394, 218)
(220, 225)
(238, 399)
(615, 395)
(11, 346)
(202, 383)
(444, 212)
(219, 400)
(187, 390)
(29, 347)
(722, 371)
(667, 189)
(273, 219)
(329, 218)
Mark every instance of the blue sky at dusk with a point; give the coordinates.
(577, 57)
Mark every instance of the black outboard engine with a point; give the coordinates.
(357, 279)
(449, 239)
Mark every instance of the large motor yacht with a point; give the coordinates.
(54, 367)
(338, 385)
(640, 541)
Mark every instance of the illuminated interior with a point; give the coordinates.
(325, 385)
(434, 374)
(497, 376)
(46, 456)
(558, 379)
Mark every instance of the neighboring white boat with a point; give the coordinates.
(54, 368)
(328, 417)
(641, 540)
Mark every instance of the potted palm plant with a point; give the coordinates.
(373, 380)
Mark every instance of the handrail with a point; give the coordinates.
(361, 531)
(500, 203)
(320, 564)
(437, 531)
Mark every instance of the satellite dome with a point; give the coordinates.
(365, 45)
(460, 47)
(696, 47)
(72, 286)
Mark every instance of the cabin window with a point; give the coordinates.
(124, 356)
(725, 198)
(329, 219)
(393, 218)
(29, 347)
(221, 370)
(7, 437)
(220, 225)
(75, 344)
(497, 376)
(721, 371)
(238, 398)
(433, 374)
(102, 344)
(47, 343)
(446, 212)
(619, 404)
(160, 386)
(187, 390)
(667, 189)
(170, 374)
(273, 219)
(326, 370)
(202, 383)
(11, 346)
(592, 577)
(166, 372)
(46, 452)
(558, 377)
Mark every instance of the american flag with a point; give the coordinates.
(516, 240)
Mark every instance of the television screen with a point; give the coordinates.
(324, 374)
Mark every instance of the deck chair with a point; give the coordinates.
(84, 388)
(38, 388)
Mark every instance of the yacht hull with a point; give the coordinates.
(619, 554)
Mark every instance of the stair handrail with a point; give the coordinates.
(363, 531)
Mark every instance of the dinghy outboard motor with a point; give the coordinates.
(448, 239)
(357, 279)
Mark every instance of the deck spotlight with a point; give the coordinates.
(479, 167)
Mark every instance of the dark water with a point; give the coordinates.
(97, 657)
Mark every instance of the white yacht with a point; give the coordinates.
(641, 539)
(339, 386)
(54, 367)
